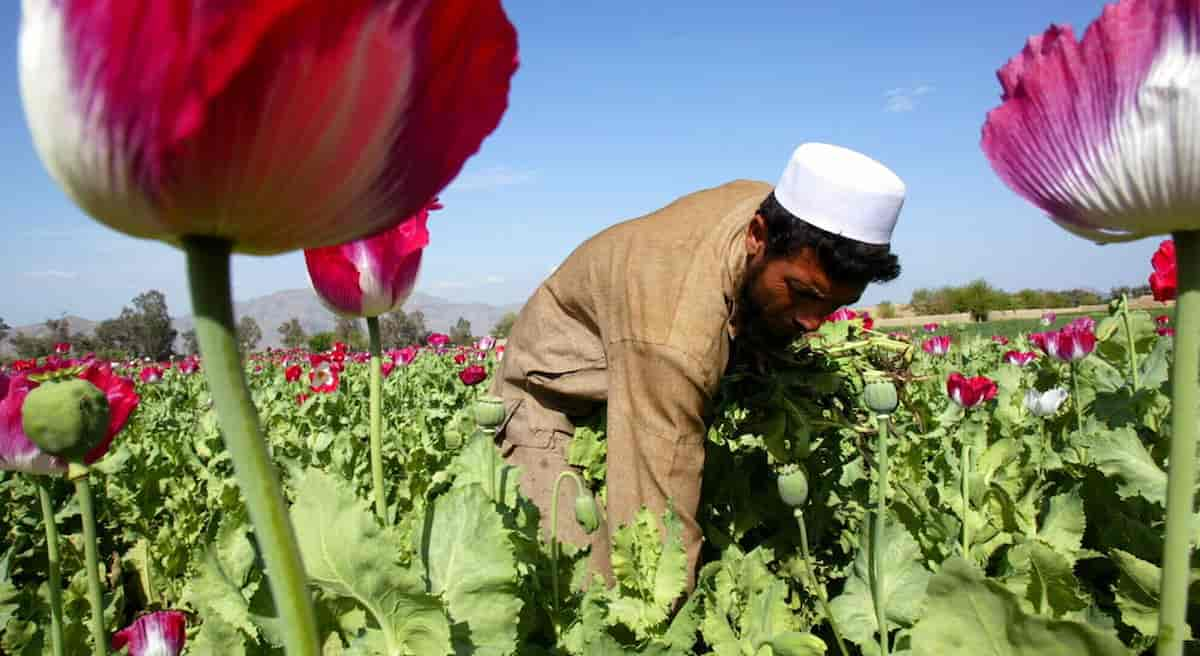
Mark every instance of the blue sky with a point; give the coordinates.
(620, 107)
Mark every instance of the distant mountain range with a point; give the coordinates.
(273, 310)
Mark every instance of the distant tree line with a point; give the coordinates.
(978, 298)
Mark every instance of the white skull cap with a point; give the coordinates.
(842, 191)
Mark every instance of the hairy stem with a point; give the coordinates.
(212, 301)
(91, 554)
(877, 535)
(1133, 364)
(812, 577)
(54, 566)
(377, 418)
(1181, 474)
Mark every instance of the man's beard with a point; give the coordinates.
(751, 323)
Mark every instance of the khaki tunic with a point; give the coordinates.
(638, 318)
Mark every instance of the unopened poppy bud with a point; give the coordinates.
(587, 513)
(66, 418)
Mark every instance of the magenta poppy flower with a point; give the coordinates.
(485, 343)
(274, 125)
(189, 365)
(17, 453)
(1099, 132)
(1074, 342)
(438, 340)
(1165, 331)
(151, 375)
(1000, 339)
(459, 358)
(1019, 358)
(931, 327)
(386, 367)
(472, 375)
(406, 355)
(970, 392)
(157, 634)
(1048, 318)
(323, 379)
(62, 348)
(939, 345)
(1163, 283)
(292, 373)
(374, 275)
(301, 398)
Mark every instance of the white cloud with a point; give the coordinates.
(493, 178)
(904, 99)
(52, 274)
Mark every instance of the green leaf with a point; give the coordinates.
(347, 553)
(470, 564)
(1137, 592)
(650, 574)
(1045, 578)
(1120, 454)
(903, 583)
(968, 614)
(1064, 523)
(794, 643)
(1156, 368)
(745, 605)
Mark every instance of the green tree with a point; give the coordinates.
(248, 334)
(4, 328)
(504, 326)
(143, 330)
(978, 298)
(886, 310)
(292, 333)
(461, 332)
(34, 346)
(320, 342)
(350, 331)
(191, 344)
(400, 329)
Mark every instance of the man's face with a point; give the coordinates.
(785, 296)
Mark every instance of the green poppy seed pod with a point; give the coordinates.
(1106, 328)
(453, 438)
(67, 418)
(881, 397)
(489, 412)
(793, 487)
(587, 513)
(795, 643)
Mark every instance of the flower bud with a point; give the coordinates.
(880, 397)
(586, 512)
(793, 487)
(66, 418)
(795, 643)
(489, 412)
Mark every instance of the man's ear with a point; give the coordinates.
(756, 236)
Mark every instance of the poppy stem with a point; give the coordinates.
(965, 463)
(212, 301)
(83, 492)
(1075, 401)
(1133, 365)
(377, 418)
(877, 535)
(54, 566)
(821, 593)
(554, 539)
(1181, 473)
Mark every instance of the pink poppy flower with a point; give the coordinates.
(970, 392)
(157, 634)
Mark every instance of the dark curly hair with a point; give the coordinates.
(843, 258)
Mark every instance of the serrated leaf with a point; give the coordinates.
(1044, 578)
(346, 552)
(1064, 524)
(217, 637)
(903, 585)
(745, 604)
(470, 564)
(480, 463)
(968, 614)
(651, 573)
(1120, 454)
(1137, 592)
(1156, 368)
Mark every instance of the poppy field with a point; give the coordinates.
(1021, 483)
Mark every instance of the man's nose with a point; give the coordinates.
(806, 323)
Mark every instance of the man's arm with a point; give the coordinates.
(657, 397)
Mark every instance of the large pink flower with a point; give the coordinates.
(970, 392)
(939, 345)
(17, 453)
(371, 276)
(1101, 132)
(274, 125)
(157, 634)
